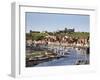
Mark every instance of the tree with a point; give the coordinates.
(38, 36)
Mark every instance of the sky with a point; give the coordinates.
(54, 22)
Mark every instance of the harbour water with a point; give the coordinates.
(75, 56)
(70, 59)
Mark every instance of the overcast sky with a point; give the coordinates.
(53, 22)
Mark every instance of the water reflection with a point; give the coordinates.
(70, 56)
(76, 57)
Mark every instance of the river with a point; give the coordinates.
(75, 56)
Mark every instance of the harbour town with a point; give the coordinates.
(57, 48)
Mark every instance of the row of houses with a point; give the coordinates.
(59, 40)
